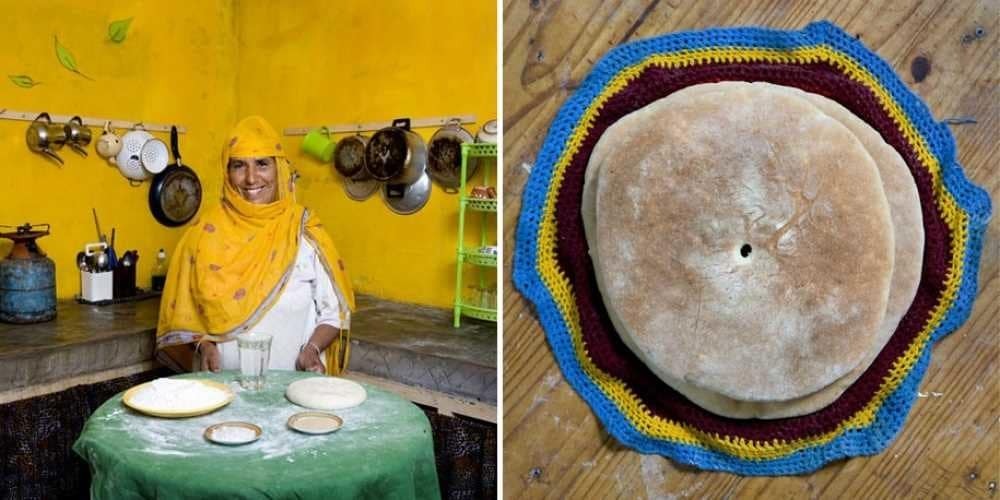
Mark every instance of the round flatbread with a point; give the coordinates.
(326, 393)
(905, 213)
(727, 242)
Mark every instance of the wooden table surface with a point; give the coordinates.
(553, 444)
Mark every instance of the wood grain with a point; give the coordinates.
(553, 445)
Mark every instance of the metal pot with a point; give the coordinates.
(444, 156)
(78, 135)
(405, 199)
(396, 154)
(349, 156)
(46, 138)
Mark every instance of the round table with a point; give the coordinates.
(384, 450)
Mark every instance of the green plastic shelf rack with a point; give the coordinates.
(482, 260)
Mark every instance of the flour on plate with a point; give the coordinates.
(233, 434)
(171, 395)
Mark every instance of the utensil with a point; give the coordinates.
(112, 256)
(127, 259)
(124, 275)
(486, 134)
(109, 144)
(81, 261)
(129, 400)
(317, 143)
(349, 156)
(45, 138)
(97, 224)
(93, 252)
(233, 433)
(396, 154)
(444, 155)
(406, 199)
(129, 159)
(315, 422)
(154, 156)
(101, 261)
(78, 135)
(175, 193)
(361, 189)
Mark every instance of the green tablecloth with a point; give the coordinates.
(384, 450)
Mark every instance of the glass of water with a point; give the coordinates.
(255, 354)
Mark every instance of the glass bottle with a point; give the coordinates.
(160, 271)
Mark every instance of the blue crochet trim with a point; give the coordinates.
(892, 414)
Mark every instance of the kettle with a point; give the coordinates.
(78, 135)
(45, 138)
(109, 144)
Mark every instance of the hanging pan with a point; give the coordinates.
(444, 155)
(175, 193)
(349, 161)
(405, 199)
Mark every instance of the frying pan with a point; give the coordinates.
(166, 181)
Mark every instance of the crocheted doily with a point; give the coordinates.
(552, 267)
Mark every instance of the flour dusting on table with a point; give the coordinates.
(372, 424)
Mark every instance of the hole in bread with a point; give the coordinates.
(745, 250)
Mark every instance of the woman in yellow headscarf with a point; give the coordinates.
(259, 262)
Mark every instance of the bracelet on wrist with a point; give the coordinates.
(319, 352)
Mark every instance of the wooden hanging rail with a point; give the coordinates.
(435, 121)
(90, 121)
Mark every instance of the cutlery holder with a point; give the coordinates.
(95, 287)
(124, 281)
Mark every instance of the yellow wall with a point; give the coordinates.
(171, 68)
(204, 64)
(313, 62)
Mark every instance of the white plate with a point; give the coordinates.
(128, 399)
(315, 422)
(233, 433)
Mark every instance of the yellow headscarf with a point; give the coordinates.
(233, 262)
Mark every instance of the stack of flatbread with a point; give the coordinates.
(755, 245)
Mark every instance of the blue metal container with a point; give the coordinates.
(27, 279)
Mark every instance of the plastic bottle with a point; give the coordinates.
(160, 271)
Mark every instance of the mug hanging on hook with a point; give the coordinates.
(109, 144)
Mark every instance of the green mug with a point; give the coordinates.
(318, 144)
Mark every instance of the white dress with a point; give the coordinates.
(308, 300)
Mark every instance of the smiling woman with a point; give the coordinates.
(254, 178)
(259, 262)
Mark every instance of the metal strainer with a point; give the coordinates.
(129, 159)
(154, 156)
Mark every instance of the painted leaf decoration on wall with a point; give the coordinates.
(117, 30)
(23, 81)
(67, 60)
